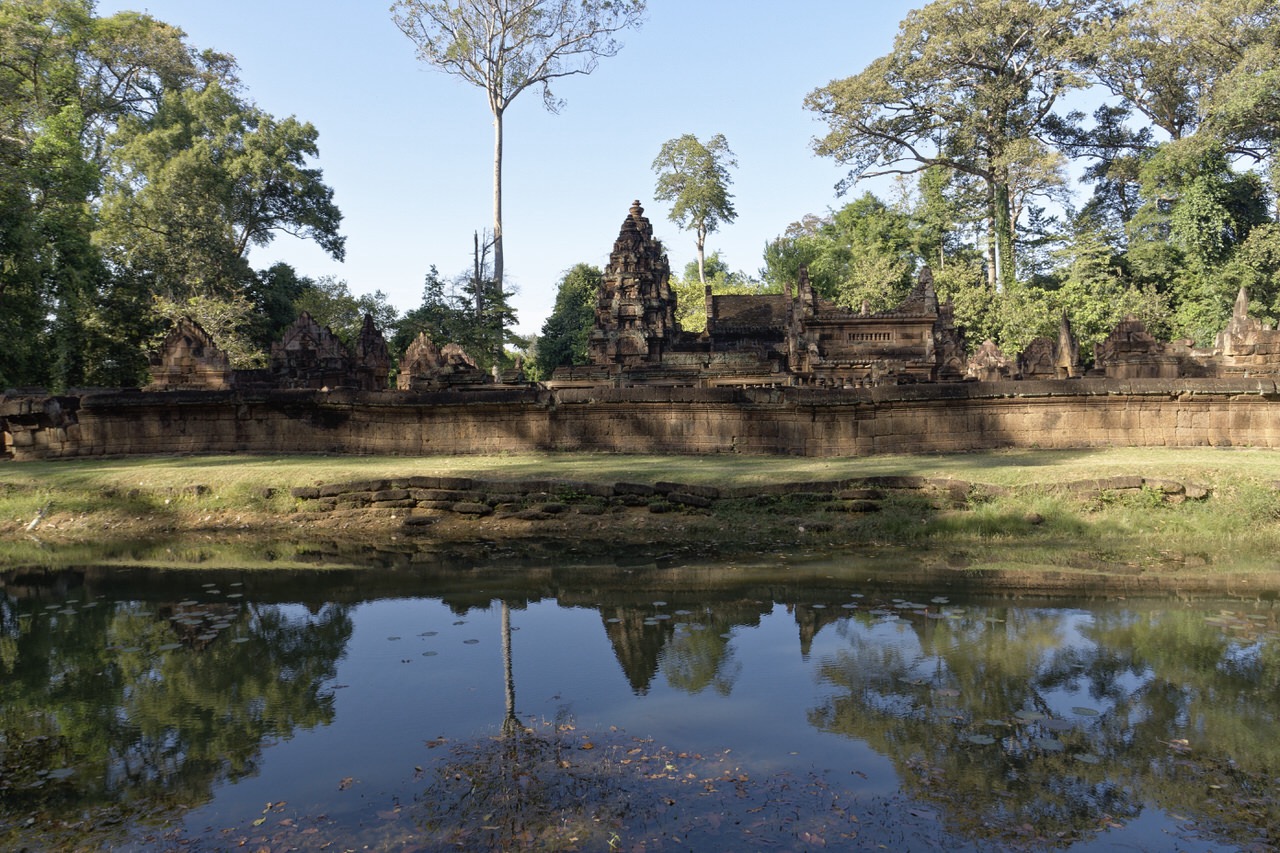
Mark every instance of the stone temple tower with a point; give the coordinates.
(635, 309)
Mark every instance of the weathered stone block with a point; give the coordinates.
(390, 495)
(1118, 484)
(446, 495)
(1168, 487)
(447, 483)
(710, 492)
(471, 508)
(686, 499)
(634, 489)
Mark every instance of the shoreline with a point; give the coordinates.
(1210, 529)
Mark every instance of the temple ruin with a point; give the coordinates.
(794, 338)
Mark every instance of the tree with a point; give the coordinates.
(968, 86)
(564, 334)
(507, 46)
(331, 303)
(695, 177)
(205, 179)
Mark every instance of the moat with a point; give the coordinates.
(785, 701)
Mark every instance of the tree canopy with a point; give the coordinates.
(695, 178)
(136, 177)
(507, 46)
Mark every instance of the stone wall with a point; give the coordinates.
(793, 421)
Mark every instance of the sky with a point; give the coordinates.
(408, 150)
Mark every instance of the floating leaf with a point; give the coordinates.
(1029, 716)
(980, 739)
(1088, 758)
(1085, 712)
(470, 642)
(168, 647)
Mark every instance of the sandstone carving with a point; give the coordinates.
(188, 359)
(1131, 352)
(426, 367)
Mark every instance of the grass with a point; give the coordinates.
(1040, 526)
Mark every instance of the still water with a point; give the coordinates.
(781, 705)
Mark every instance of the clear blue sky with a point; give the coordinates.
(408, 150)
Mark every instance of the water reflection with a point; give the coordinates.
(138, 697)
(1052, 724)
(117, 711)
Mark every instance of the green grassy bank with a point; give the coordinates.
(1027, 521)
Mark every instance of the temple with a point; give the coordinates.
(795, 338)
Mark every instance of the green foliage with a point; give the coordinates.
(690, 292)
(694, 177)
(226, 319)
(473, 310)
(967, 87)
(131, 167)
(330, 303)
(563, 340)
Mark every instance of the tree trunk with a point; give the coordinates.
(700, 237)
(1003, 235)
(497, 197)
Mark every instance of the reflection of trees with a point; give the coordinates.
(698, 656)
(932, 695)
(687, 649)
(134, 719)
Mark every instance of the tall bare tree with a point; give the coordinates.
(507, 46)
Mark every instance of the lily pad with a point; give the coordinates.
(470, 642)
(1088, 758)
(980, 739)
(169, 647)
(1048, 744)
(1029, 716)
(1085, 712)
